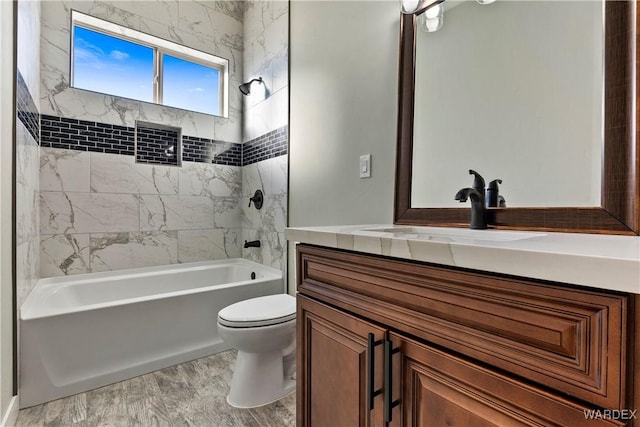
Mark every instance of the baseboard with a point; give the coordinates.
(10, 417)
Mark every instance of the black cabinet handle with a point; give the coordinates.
(389, 403)
(371, 393)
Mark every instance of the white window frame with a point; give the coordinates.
(160, 48)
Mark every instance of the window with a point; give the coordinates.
(116, 60)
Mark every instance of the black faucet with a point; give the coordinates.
(252, 244)
(476, 194)
(257, 199)
(478, 210)
(478, 182)
(493, 194)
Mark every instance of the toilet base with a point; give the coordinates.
(259, 379)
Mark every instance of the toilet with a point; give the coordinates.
(263, 331)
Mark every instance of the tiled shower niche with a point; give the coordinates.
(158, 144)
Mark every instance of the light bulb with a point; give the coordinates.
(434, 11)
(430, 25)
(409, 6)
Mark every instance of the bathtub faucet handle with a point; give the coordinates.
(257, 199)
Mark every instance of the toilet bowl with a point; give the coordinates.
(263, 331)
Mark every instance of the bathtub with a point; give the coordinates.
(81, 332)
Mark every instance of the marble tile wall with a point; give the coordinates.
(268, 223)
(266, 55)
(27, 140)
(265, 130)
(102, 211)
(214, 27)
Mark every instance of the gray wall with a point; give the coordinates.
(344, 79)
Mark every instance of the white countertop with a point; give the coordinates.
(600, 261)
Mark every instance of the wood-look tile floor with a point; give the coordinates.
(190, 394)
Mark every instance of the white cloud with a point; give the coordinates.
(120, 56)
(198, 89)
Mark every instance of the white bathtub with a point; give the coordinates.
(86, 331)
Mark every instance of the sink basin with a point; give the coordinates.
(453, 234)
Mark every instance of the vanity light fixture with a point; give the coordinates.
(409, 7)
(245, 88)
(485, 1)
(431, 20)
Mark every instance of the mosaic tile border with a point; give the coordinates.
(27, 111)
(271, 144)
(82, 135)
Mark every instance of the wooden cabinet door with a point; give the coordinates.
(438, 389)
(332, 363)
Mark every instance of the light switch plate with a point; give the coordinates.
(365, 166)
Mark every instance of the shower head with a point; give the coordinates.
(245, 88)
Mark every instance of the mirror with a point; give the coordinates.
(512, 90)
(567, 163)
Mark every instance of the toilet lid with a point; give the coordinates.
(261, 311)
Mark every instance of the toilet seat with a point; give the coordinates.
(262, 311)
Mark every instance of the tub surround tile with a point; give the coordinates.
(203, 202)
(210, 180)
(87, 212)
(27, 157)
(175, 212)
(64, 170)
(272, 250)
(230, 128)
(158, 145)
(117, 251)
(272, 216)
(62, 254)
(202, 245)
(119, 174)
(256, 176)
(82, 135)
(266, 116)
(205, 150)
(269, 145)
(279, 175)
(204, 22)
(27, 140)
(27, 223)
(28, 112)
(27, 268)
(99, 137)
(227, 212)
(28, 38)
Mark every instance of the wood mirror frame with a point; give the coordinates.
(620, 195)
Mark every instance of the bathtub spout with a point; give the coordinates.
(252, 244)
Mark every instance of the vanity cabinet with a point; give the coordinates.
(384, 339)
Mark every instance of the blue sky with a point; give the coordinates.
(189, 86)
(110, 65)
